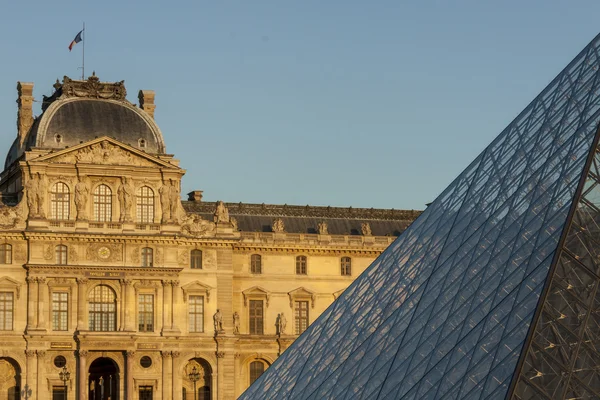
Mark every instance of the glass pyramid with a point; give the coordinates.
(492, 292)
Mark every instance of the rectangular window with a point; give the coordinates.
(58, 393)
(60, 311)
(256, 317)
(146, 313)
(301, 316)
(145, 393)
(61, 255)
(147, 257)
(6, 311)
(196, 310)
(5, 254)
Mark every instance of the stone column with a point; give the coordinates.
(129, 305)
(122, 307)
(42, 303)
(176, 301)
(237, 373)
(167, 365)
(129, 374)
(176, 378)
(42, 390)
(167, 299)
(221, 376)
(81, 301)
(31, 371)
(31, 300)
(82, 376)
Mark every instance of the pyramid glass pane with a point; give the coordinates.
(491, 292)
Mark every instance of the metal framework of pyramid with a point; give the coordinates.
(492, 292)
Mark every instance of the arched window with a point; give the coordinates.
(346, 266)
(257, 368)
(60, 201)
(147, 257)
(256, 264)
(102, 309)
(102, 204)
(301, 265)
(196, 259)
(5, 253)
(60, 252)
(145, 205)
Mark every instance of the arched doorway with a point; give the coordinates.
(103, 382)
(10, 379)
(203, 384)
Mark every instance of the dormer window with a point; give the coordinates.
(142, 143)
(58, 138)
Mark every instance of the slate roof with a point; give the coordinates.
(304, 219)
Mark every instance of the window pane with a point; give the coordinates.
(5, 253)
(59, 201)
(256, 370)
(147, 257)
(146, 313)
(60, 311)
(256, 264)
(196, 259)
(196, 314)
(256, 317)
(301, 316)
(61, 254)
(102, 309)
(102, 204)
(346, 266)
(6, 311)
(145, 205)
(301, 265)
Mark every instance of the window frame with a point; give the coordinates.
(346, 266)
(61, 253)
(196, 259)
(145, 310)
(7, 307)
(256, 323)
(59, 315)
(60, 201)
(105, 316)
(195, 309)
(145, 205)
(5, 253)
(102, 203)
(256, 264)
(301, 322)
(301, 265)
(147, 254)
(256, 362)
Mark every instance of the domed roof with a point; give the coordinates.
(80, 111)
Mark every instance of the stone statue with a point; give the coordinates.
(221, 213)
(36, 195)
(126, 194)
(281, 324)
(82, 192)
(236, 323)
(194, 225)
(234, 224)
(218, 320)
(365, 227)
(165, 194)
(174, 200)
(278, 225)
(322, 228)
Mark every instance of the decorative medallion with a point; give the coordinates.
(103, 253)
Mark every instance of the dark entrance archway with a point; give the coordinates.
(103, 382)
(10, 379)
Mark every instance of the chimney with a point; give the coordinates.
(146, 98)
(25, 112)
(195, 196)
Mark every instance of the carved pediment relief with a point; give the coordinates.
(256, 292)
(302, 294)
(194, 225)
(196, 287)
(104, 151)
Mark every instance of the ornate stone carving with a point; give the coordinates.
(97, 252)
(49, 252)
(135, 254)
(365, 228)
(175, 354)
(175, 200)
(82, 281)
(20, 253)
(281, 324)
(221, 213)
(220, 354)
(164, 192)
(10, 216)
(166, 354)
(82, 193)
(236, 323)
(30, 353)
(278, 226)
(93, 88)
(195, 226)
(218, 321)
(41, 353)
(126, 194)
(184, 257)
(234, 224)
(322, 228)
(130, 353)
(104, 153)
(35, 190)
(72, 255)
(83, 353)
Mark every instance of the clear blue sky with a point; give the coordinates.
(345, 102)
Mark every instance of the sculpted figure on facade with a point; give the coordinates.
(365, 227)
(218, 320)
(234, 224)
(281, 324)
(174, 200)
(322, 228)
(221, 213)
(194, 225)
(126, 194)
(236, 323)
(278, 225)
(36, 195)
(165, 195)
(11, 216)
(82, 193)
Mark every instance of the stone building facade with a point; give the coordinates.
(105, 273)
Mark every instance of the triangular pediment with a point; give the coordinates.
(256, 292)
(7, 283)
(197, 287)
(104, 151)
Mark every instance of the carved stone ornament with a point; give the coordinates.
(234, 224)
(365, 227)
(126, 194)
(82, 194)
(102, 153)
(35, 191)
(322, 228)
(104, 252)
(11, 216)
(195, 226)
(93, 88)
(221, 213)
(278, 226)
(220, 354)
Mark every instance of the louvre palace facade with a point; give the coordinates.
(113, 287)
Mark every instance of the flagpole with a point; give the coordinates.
(83, 55)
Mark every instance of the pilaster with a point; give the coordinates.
(129, 374)
(167, 368)
(42, 393)
(82, 376)
(42, 303)
(81, 302)
(31, 380)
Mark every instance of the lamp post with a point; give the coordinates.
(194, 376)
(64, 376)
(26, 392)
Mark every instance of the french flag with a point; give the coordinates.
(76, 40)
